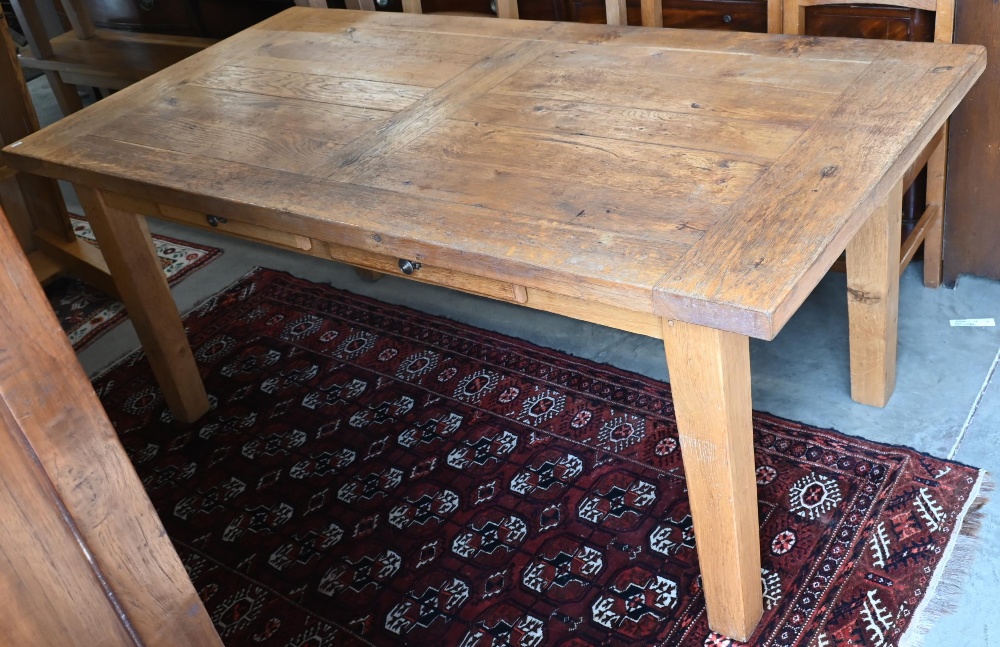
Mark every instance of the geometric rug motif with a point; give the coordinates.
(86, 313)
(371, 475)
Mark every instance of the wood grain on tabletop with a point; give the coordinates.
(85, 558)
(624, 166)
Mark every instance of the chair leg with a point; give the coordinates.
(934, 240)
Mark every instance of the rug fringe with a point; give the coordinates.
(946, 587)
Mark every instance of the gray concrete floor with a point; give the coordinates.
(945, 403)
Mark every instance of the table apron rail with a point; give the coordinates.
(573, 307)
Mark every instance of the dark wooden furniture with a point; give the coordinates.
(972, 208)
(94, 57)
(565, 167)
(34, 205)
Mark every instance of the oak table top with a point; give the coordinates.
(692, 186)
(704, 176)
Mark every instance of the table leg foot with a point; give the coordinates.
(710, 380)
(128, 250)
(873, 302)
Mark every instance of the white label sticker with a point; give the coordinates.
(973, 322)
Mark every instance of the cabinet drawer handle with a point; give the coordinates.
(408, 267)
(727, 19)
(214, 221)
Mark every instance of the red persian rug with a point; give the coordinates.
(370, 475)
(87, 313)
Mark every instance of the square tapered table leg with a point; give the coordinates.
(710, 381)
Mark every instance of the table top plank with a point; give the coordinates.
(361, 93)
(696, 130)
(666, 65)
(752, 273)
(285, 134)
(634, 89)
(531, 193)
(709, 153)
(663, 171)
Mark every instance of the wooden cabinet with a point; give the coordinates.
(972, 204)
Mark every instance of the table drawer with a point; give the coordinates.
(429, 274)
(236, 228)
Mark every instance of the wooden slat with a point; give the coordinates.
(665, 65)
(632, 89)
(80, 258)
(44, 267)
(313, 87)
(507, 9)
(78, 16)
(542, 195)
(617, 14)
(927, 222)
(380, 43)
(280, 133)
(365, 66)
(655, 170)
(751, 141)
(652, 13)
(752, 272)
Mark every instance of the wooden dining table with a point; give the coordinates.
(692, 186)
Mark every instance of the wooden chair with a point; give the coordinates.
(929, 230)
(102, 58)
(504, 8)
(34, 205)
